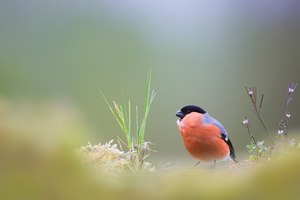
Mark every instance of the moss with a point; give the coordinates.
(31, 170)
(106, 157)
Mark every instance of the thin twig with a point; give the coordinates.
(252, 93)
(283, 124)
(246, 124)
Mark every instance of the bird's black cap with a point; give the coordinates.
(188, 109)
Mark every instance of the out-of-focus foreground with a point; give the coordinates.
(39, 160)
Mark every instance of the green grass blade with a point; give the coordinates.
(137, 122)
(118, 114)
(149, 97)
(122, 114)
(129, 123)
(112, 111)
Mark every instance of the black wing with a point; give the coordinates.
(228, 142)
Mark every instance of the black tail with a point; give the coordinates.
(232, 152)
(231, 149)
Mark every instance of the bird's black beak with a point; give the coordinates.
(179, 114)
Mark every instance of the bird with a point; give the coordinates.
(204, 137)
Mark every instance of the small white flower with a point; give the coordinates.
(280, 132)
(288, 115)
(250, 92)
(291, 90)
(260, 143)
(245, 121)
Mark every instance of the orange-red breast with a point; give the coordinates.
(204, 137)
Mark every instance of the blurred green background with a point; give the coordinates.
(200, 52)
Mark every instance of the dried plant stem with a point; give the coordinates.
(257, 149)
(283, 124)
(264, 126)
(251, 136)
(252, 93)
(246, 124)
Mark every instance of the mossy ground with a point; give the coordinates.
(32, 168)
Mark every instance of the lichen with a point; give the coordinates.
(108, 158)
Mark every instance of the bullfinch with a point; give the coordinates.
(204, 137)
